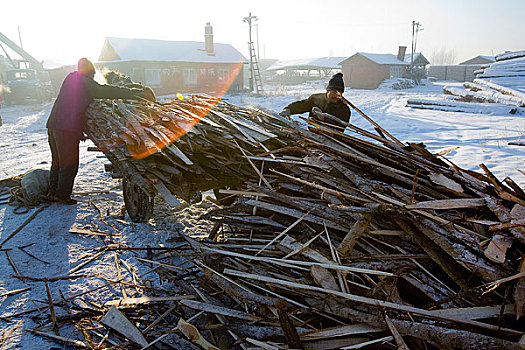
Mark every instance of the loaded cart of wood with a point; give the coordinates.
(179, 148)
(333, 240)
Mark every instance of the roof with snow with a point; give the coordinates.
(381, 58)
(480, 59)
(122, 49)
(308, 63)
(418, 56)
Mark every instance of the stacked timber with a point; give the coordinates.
(500, 84)
(334, 241)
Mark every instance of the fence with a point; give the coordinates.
(456, 72)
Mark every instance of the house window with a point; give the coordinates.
(190, 76)
(152, 77)
(224, 74)
(136, 74)
(397, 71)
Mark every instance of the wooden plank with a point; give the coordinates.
(370, 342)
(340, 331)
(215, 309)
(295, 263)
(115, 320)
(401, 345)
(291, 244)
(294, 213)
(175, 150)
(474, 313)
(497, 248)
(323, 277)
(145, 300)
(444, 204)
(165, 193)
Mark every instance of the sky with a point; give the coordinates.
(60, 32)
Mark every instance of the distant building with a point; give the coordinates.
(368, 70)
(176, 66)
(304, 69)
(420, 61)
(479, 60)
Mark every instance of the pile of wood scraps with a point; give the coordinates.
(382, 235)
(334, 241)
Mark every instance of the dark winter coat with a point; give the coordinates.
(75, 95)
(339, 109)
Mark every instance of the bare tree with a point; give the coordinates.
(443, 56)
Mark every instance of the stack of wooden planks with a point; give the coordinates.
(500, 84)
(210, 135)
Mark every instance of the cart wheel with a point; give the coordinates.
(138, 204)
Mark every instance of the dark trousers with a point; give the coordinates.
(64, 161)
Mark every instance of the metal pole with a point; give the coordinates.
(412, 54)
(250, 44)
(250, 47)
(257, 35)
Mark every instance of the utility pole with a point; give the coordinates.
(416, 27)
(257, 36)
(249, 20)
(21, 46)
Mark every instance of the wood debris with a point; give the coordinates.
(331, 241)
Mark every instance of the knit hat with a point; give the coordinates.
(336, 83)
(85, 66)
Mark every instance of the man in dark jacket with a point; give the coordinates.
(67, 120)
(329, 102)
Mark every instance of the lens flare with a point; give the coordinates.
(168, 122)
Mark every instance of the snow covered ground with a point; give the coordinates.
(481, 138)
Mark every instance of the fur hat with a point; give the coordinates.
(85, 67)
(336, 83)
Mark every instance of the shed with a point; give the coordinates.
(176, 66)
(420, 61)
(368, 70)
(300, 70)
(479, 60)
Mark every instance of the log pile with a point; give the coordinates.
(334, 240)
(501, 83)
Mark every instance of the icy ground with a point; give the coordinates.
(481, 138)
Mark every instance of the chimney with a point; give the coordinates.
(208, 39)
(401, 53)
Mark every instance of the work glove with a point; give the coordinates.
(146, 93)
(318, 113)
(285, 113)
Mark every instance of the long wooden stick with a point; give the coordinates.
(371, 121)
(24, 224)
